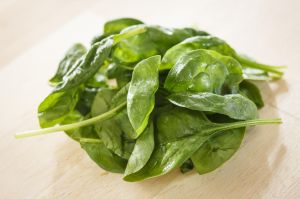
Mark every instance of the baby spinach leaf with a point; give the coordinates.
(250, 91)
(141, 93)
(104, 157)
(197, 71)
(116, 25)
(172, 151)
(155, 41)
(215, 44)
(142, 151)
(112, 132)
(56, 106)
(95, 58)
(233, 105)
(193, 43)
(72, 56)
(217, 150)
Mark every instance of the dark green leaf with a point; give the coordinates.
(155, 41)
(104, 157)
(141, 93)
(95, 58)
(56, 107)
(250, 91)
(71, 58)
(233, 105)
(204, 71)
(116, 25)
(142, 151)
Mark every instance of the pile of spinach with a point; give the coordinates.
(143, 100)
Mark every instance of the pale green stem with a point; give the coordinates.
(76, 125)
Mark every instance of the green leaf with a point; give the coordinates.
(175, 146)
(204, 71)
(215, 44)
(233, 105)
(95, 58)
(217, 150)
(56, 107)
(141, 93)
(155, 41)
(104, 157)
(70, 59)
(116, 25)
(142, 151)
(250, 91)
(194, 43)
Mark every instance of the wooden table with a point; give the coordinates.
(53, 166)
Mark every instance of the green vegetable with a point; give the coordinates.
(141, 93)
(233, 105)
(204, 71)
(72, 56)
(250, 91)
(176, 145)
(56, 107)
(215, 44)
(143, 116)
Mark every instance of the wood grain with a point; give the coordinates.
(53, 166)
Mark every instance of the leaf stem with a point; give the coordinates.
(252, 64)
(234, 125)
(76, 125)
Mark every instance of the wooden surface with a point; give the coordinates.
(34, 36)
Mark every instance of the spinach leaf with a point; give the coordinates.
(141, 93)
(56, 106)
(193, 43)
(215, 44)
(203, 71)
(217, 150)
(95, 58)
(72, 56)
(112, 132)
(250, 91)
(115, 26)
(175, 146)
(155, 41)
(233, 105)
(104, 157)
(142, 151)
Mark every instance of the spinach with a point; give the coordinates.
(155, 41)
(141, 93)
(204, 71)
(143, 116)
(176, 145)
(115, 26)
(142, 151)
(72, 56)
(94, 58)
(56, 106)
(215, 44)
(250, 91)
(217, 150)
(233, 105)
